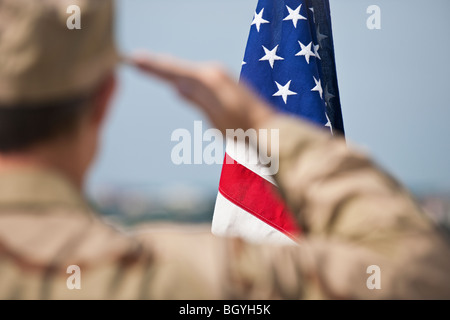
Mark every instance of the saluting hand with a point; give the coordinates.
(228, 105)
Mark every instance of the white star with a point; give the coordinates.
(271, 56)
(284, 91)
(306, 51)
(243, 63)
(258, 19)
(314, 16)
(328, 124)
(318, 87)
(316, 52)
(294, 15)
(320, 36)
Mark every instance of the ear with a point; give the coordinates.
(102, 99)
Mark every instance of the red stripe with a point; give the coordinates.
(257, 196)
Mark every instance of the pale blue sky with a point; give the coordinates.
(394, 86)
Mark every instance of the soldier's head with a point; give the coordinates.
(57, 61)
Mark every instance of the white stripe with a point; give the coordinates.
(233, 148)
(232, 221)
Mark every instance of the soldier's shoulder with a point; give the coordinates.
(39, 237)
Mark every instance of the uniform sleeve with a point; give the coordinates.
(363, 233)
(363, 236)
(190, 264)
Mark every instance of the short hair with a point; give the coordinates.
(25, 125)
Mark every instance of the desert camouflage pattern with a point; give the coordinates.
(352, 214)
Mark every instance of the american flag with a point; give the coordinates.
(289, 61)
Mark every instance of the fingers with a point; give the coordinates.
(208, 86)
(197, 82)
(164, 67)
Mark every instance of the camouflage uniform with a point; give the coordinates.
(352, 214)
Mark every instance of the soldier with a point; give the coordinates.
(55, 88)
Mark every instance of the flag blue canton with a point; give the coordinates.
(289, 60)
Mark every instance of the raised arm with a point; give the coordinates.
(356, 219)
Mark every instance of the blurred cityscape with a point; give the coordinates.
(132, 206)
(129, 207)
